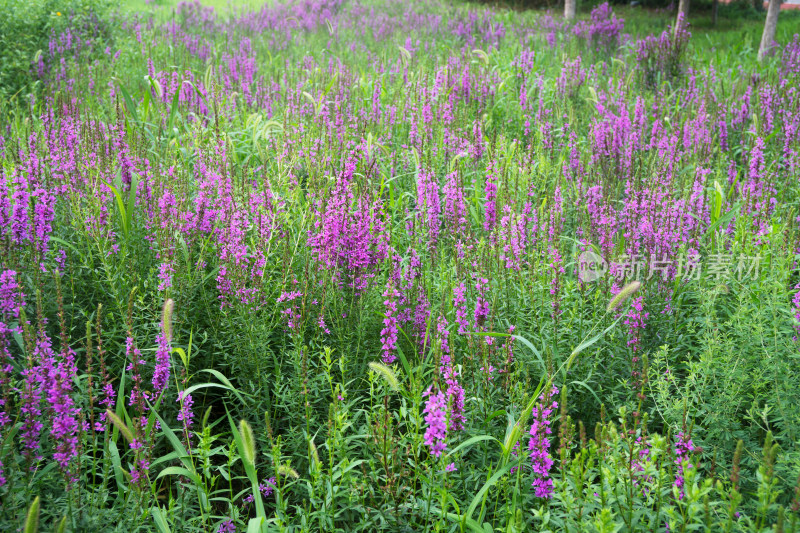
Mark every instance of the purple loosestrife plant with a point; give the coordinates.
(482, 309)
(108, 400)
(11, 303)
(429, 206)
(38, 382)
(455, 210)
(636, 321)
(161, 371)
(490, 195)
(65, 426)
(422, 313)
(138, 399)
(436, 420)
(165, 272)
(380, 178)
(796, 309)
(642, 460)
(460, 305)
(31, 411)
(389, 331)
(603, 30)
(265, 487)
(227, 526)
(683, 449)
(20, 222)
(138, 396)
(349, 236)
(455, 392)
(43, 216)
(294, 319)
(539, 444)
(513, 238)
(186, 415)
(162, 367)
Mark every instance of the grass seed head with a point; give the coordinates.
(626, 292)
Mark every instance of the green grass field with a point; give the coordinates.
(381, 266)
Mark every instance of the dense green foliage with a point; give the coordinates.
(27, 26)
(318, 267)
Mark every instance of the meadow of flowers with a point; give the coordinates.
(322, 266)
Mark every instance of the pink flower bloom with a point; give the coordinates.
(539, 444)
(436, 420)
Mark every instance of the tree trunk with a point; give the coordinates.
(771, 24)
(683, 15)
(714, 12)
(569, 9)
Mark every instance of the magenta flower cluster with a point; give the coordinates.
(539, 444)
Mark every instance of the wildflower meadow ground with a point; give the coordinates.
(370, 265)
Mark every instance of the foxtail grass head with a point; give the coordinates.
(248, 442)
(386, 373)
(288, 471)
(623, 295)
(166, 318)
(120, 425)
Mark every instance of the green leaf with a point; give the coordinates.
(131, 203)
(533, 349)
(254, 526)
(474, 440)
(587, 343)
(200, 386)
(225, 382)
(129, 105)
(123, 217)
(177, 445)
(588, 388)
(514, 429)
(182, 354)
(481, 497)
(161, 520)
(180, 471)
(724, 219)
(403, 359)
(116, 463)
(718, 201)
(69, 245)
(172, 110)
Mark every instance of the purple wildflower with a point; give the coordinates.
(185, 414)
(266, 488)
(436, 419)
(796, 304)
(161, 372)
(481, 303)
(460, 304)
(683, 447)
(389, 331)
(227, 526)
(490, 192)
(539, 444)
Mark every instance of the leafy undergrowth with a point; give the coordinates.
(342, 266)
